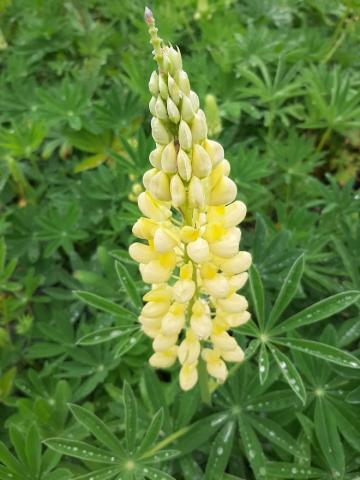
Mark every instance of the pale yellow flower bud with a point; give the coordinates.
(141, 253)
(215, 151)
(154, 84)
(174, 321)
(188, 376)
(198, 250)
(165, 240)
(155, 157)
(163, 87)
(148, 175)
(199, 127)
(189, 349)
(182, 80)
(189, 234)
(183, 290)
(155, 272)
(238, 281)
(235, 355)
(217, 287)
(163, 342)
(223, 193)
(173, 111)
(177, 191)
(214, 365)
(174, 90)
(235, 303)
(175, 59)
(159, 186)
(160, 109)
(155, 309)
(196, 193)
(186, 271)
(234, 214)
(149, 206)
(168, 159)
(144, 228)
(194, 101)
(223, 341)
(185, 138)
(150, 332)
(184, 165)
(228, 246)
(152, 104)
(187, 110)
(237, 264)
(151, 322)
(159, 132)
(201, 325)
(162, 293)
(201, 163)
(164, 359)
(237, 319)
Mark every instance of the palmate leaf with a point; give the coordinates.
(100, 474)
(220, 452)
(80, 450)
(321, 350)
(319, 311)
(293, 471)
(98, 428)
(152, 432)
(288, 290)
(263, 363)
(252, 447)
(128, 284)
(104, 304)
(328, 437)
(106, 334)
(130, 417)
(257, 294)
(290, 373)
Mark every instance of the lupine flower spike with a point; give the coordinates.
(189, 252)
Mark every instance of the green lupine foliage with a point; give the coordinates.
(78, 399)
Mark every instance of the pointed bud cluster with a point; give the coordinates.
(194, 267)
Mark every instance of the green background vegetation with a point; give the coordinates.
(74, 138)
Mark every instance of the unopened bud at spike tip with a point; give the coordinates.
(148, 16)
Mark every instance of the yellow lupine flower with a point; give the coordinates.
(194, 265)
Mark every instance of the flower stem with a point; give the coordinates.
(204, 383)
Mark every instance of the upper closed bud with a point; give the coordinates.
(194, 100)
(163, 87)
(168, 159)
(234, 214)
(201, 162)
(187, 110)
(155, 157)
(198, 250)
(164, 240)
(177, 191)
(183, 81)
(174, 90)
(154, 84)
(160, 186)
(223, 193)
(215, 151)
(185, 138)
(172, 110)
(175, 59)
(159, 132)
(196, 193)
(160, 109)
(184, 165)
(199, 127)
(151, 208)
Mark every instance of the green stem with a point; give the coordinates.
(323, 139)
(170, 439)
(204, 383)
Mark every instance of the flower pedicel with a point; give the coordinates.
(189, 248)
